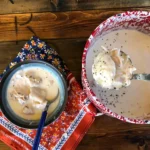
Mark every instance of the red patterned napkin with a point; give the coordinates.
(70, 127)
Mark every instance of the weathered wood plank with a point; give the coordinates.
(101, 4)
(77, 24)
(4, 146)
(24, 6)
(108, 133)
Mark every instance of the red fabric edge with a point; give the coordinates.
(80, 130)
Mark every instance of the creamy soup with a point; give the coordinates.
(28, 92)
(134, 100)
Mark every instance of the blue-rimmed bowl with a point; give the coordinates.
(6, 109)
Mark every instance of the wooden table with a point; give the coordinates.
(66, 24)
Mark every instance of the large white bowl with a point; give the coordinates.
(135, 20)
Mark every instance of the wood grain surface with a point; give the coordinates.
(24, 6)
(107, 133)
(76, 24)
(59, 25)
(65, 25)
(3, 146)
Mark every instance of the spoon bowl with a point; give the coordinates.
(143, 76)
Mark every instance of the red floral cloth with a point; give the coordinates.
(67, 131)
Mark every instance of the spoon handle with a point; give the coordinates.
(143, 76)
(39, 131)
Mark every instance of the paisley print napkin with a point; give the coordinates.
(67, 131)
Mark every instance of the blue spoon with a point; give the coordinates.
(41, 124)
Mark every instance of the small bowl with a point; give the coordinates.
(6, 109)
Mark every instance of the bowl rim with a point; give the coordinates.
(100, 106)
(7, 73)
